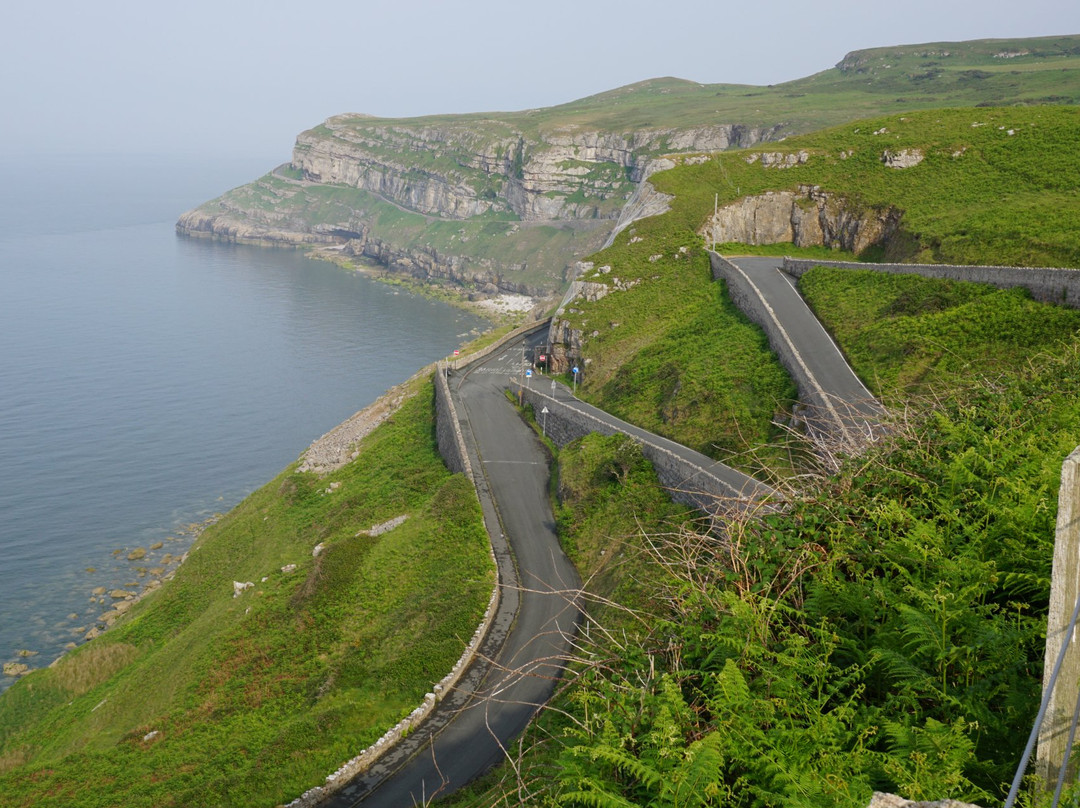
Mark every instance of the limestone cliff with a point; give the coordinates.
(514, 199)
(808, 217)
(458, 170)
(503, 203)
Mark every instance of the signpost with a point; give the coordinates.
(543, 421)
(575, 371)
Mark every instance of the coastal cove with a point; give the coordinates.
(148, 381)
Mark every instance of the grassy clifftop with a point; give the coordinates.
(508, 201)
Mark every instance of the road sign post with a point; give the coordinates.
(575, 371)
(543, 421)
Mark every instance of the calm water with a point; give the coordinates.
(148, 381)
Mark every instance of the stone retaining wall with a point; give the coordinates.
(688, 483)
(1046, 284)
(453, 448)
(448, 428)
(362, 762)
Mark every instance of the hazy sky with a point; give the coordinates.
(236, 77)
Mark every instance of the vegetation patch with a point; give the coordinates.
(673, 354)
(907, 335)
(666, 350)
(885, 632)
(201, 696)
(995, 187)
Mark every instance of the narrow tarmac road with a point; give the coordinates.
(836, 400)
(540, 639)
(473, 730)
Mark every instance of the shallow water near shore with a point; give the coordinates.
(148, 381)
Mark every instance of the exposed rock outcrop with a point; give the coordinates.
(566, 345)
(807, 217)
(462, 170)
(905, 158)
(349, 174)
(882, 800)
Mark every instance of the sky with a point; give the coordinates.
(244, 77)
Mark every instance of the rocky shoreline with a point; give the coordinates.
(489, 302)
(149, 568)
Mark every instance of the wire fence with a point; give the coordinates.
(1048, 689)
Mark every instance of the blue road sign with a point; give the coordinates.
(528, 374)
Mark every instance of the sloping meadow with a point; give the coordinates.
(203, 697)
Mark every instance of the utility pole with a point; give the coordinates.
(715, 211)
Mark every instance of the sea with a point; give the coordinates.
(149, 381)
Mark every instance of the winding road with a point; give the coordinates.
(525, 652)
(495, 701)
(834, 401)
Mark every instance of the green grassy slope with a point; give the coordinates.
(256, 698)
(887, 631)
(997, 186)
(865, 83)
(884, 633)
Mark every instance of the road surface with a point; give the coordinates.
(539, 640)
(835, 401)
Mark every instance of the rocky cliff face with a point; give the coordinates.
(458, 171)
(468, 170)
(808, 217)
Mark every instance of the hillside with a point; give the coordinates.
(992, 186)
(354, 592)
(509, 201)
(886, 632)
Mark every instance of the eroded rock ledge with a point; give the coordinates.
(546, 195)
(806, 217)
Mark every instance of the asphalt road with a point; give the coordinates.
(545, 587)
(836, 398)
(739, 485)
(473, 729)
